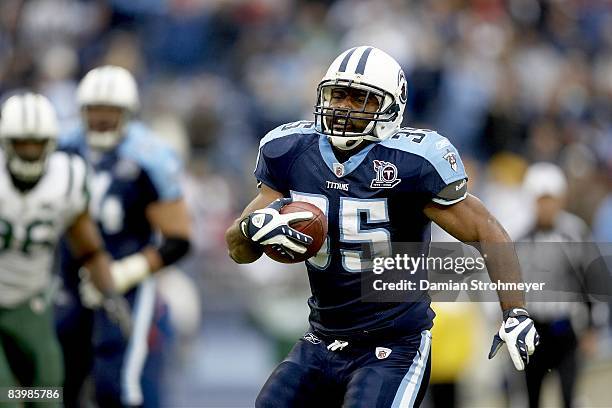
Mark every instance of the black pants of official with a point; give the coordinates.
(556, 352)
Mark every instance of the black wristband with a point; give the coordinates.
(173, 249)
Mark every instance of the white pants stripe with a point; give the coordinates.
(411, 383)
(137, 349)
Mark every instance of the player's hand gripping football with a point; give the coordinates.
(114, 305)
(519, 334)
(269, 227)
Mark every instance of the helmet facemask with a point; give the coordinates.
(21, 163)
(104, 125)
(340, 123)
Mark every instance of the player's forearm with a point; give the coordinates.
(169, 252)
(99, 271)
(241, 249)
(130, 270)
(502, 263)
(469, 221)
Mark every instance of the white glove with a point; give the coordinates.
(269, 227)
(129, 271)
(519, 334)
(114, 305)
(126, 273)
(91, 297)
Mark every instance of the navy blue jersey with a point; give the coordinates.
(141, 170)
(371, 200)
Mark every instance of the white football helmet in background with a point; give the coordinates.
(545, 179)
(372, 70)
(108, 86)
(28, 117)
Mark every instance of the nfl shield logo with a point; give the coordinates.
(382, 352)
(338, 169)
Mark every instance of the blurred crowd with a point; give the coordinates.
(508, 82)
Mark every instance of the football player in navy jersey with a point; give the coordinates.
(138, 203)
(377, 183)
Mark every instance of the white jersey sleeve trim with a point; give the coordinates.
(446, 202)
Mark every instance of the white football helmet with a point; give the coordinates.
(545, 179)
(374, 71)
(28, 117)
(108, 86)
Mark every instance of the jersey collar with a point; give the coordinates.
(330, 159)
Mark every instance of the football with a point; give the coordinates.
(316, 227)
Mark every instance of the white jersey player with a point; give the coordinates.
(43, 193)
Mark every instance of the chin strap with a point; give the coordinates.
(24, 170)
(103, 140)
(27, 172)
(341, 142)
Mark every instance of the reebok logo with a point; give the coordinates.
(460, 186)
(442, 143)
(312, 338)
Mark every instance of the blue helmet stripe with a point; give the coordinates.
(362, 61)
(346, 59)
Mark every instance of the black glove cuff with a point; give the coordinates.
(243, 225)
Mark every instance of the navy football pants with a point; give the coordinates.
(357, 375)
(125, 372)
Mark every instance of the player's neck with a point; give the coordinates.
(344, 155)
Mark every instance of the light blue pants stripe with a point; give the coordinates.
(411, 383)
(137, 349)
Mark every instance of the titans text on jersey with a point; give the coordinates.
(373, 199)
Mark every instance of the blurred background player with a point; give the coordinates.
(558, 250)
(138, 203)
(43, 193)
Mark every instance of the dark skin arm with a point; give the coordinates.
(470, 222)
(241, 249)
(85, 241)
(171, 219)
